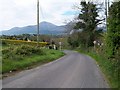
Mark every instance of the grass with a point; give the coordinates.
(108, 67)
(31, 60)
(20, 57)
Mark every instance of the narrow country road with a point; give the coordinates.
(74, 70)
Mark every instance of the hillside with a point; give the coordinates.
(45, 28)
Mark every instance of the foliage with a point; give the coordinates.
(113, 38)
(110, 51)
(18, 52)
(73, 40)
(19, 57)
(113, 32)
(87, 23)
(109, 68)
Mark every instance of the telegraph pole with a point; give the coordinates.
(106, 12)
(37, 22)
(106, 7)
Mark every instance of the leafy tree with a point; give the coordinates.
(88, 22)
(113, 32)
(73, 40)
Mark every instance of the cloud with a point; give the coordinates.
(18, 13)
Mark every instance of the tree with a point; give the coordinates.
(113, 31)
(73, 40)
(88, 22)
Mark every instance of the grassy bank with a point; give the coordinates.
(108, 67)
(19, 57)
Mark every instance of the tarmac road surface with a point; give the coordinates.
(74, 70)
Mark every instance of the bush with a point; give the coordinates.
(4, 43)
(17, 52)
(17, 58)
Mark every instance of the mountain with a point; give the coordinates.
(45, 28)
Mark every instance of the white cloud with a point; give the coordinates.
(18, 13)
(15, 13)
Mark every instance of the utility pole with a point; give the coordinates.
(106, 11)
(108, 5)
(37, 22)
(106, 8)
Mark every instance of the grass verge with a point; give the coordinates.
(17, 58)
(108, 67)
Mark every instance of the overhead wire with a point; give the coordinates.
(43, 17)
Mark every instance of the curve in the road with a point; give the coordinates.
(74, 70)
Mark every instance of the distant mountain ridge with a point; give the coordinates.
(45, 28)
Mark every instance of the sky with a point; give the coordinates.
(20, 13)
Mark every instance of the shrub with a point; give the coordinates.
(17, 52)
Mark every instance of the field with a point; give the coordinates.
(19, 55)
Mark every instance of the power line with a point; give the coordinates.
(43, 17)
(41, 12)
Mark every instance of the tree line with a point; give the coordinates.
(87, 36)
(86, 29)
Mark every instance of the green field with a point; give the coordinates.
(21, 56)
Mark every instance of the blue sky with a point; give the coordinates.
(74, 12)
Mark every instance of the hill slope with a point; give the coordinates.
(45, 28)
